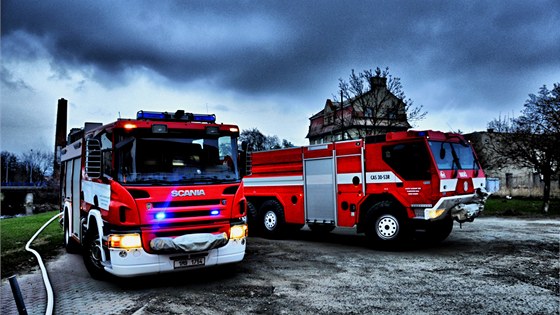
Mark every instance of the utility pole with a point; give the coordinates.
(342, 114)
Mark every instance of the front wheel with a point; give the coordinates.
(386, 225)
(272, 218)
(92, 249)
(438, 231)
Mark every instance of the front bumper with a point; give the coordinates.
(464, 208)
(136, 262)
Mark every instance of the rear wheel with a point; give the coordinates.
(272, 218)
(253, 219)
(70, 243)
(92, 249)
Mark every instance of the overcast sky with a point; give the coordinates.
(266, 64)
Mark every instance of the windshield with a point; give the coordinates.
(177, 160)
(453, 156)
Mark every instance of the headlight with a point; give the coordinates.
(125, 241)
(238, 232)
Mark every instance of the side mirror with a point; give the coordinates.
(442, 152)
(93, 158)
(244, 159)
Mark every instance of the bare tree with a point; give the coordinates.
(533, 139)
(287, 144)
(259, 142)
(31, 166)
(38, 164)
(377, 103)
(10, 167)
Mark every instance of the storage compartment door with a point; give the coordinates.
(320, 191)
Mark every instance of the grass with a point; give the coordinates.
(498, 206)
(16, 232)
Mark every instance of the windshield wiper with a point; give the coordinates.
(151, 181)
(455, 162)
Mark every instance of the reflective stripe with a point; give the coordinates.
(273, 181)
(347, 178)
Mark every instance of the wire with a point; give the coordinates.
(48, 287)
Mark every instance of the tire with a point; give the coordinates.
(386, 224)
(70, 244)
(272, 219)
(252, 219)
(439, 230)
(321, 228)
(92, 253)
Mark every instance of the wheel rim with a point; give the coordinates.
(387, 227)
(270, 220)
(66, 232)
(95, 252)
(66, 235)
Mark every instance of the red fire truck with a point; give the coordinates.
(385, 186)
(158, 193)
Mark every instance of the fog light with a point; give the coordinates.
(124, 241)
(238, 232)
(433, 213)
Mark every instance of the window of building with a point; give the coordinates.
(329, 119)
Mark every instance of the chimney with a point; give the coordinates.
(378, 82)
(60, 134)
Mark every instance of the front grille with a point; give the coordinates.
(187, 203)
(190, 214)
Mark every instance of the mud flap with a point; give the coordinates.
(189, 243)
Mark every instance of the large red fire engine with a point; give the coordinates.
(159, 193)
(386, 186)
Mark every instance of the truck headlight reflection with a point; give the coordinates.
(124, 241)
(238, 232)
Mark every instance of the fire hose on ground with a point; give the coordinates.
(48, 287)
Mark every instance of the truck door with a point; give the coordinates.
(320, 196)
(76, 202)
(412, 162)
(349, 181)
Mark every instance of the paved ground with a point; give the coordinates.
(491, 266)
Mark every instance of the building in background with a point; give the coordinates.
(377, 111)
(509, 179)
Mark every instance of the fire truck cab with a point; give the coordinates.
(385, 186)
(159, 193)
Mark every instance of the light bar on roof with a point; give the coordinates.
(178, 115)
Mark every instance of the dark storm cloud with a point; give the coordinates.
(285, 47)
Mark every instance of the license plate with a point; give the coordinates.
(189, 262)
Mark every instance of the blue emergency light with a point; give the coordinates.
(151, 115)
(204, 118)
